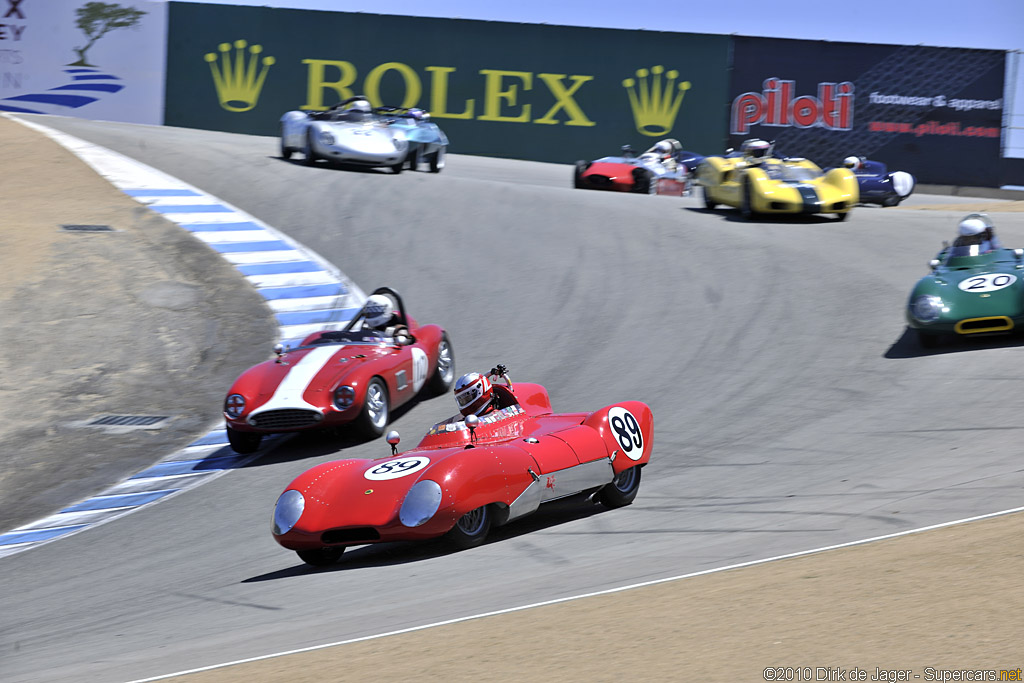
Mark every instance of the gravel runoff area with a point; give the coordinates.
(127, 323)
(140, 320)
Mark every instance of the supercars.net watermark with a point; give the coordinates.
(856, 673)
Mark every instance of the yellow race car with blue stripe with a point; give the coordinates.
(757, 182)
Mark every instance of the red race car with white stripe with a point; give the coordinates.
(467, 475)
(355, 375)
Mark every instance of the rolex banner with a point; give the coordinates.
(935, 112)
(546, 93)
(96, 60)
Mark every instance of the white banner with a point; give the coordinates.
(95, 60)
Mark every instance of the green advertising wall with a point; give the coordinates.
(525, 91)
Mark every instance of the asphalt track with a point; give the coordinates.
(791, 410)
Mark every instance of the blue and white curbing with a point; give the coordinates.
(305, 292)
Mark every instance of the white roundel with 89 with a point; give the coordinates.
(988, 282)
(393, 469)
(626, 431)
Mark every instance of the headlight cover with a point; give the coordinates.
(326, 137)
(287, 511)
(344, 396)
(234, 405)
(400, 144)
(926, 308)
(420, 503)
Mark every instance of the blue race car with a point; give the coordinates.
(877, 184)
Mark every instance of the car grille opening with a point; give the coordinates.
(999, 323)
(290, 418)
(359, 534)
(599, 181)
(839, 206)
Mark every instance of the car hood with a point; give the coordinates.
(315, 367)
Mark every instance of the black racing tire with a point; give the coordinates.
(321, 557)
(373, 418)
(308, 150)
(413, 159)
(928, 340)
(644, 181)
(709, 203)
(577, 174)
(471, 529)
(621, 491)
(746, 210)
(286, 151)
(437, 160)
(397, 168)
(243, 442)
(444, 371)
(892, 201)
(842, 216)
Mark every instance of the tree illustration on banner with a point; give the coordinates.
(96, 19)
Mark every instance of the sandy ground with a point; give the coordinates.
(950, 599)
(141, 320)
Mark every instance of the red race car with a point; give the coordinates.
(356, 375)
(665, 169)
(467, 475)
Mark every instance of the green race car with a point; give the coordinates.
(975, 288)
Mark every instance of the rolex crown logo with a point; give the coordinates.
(655, 98)
(237, 82)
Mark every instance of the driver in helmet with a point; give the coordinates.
(379, 316)
(977, 229)
(854, 163)
(755, 150)
(665, 151)
(358, 110)
(475, 394)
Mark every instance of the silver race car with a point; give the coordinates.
(351, 132)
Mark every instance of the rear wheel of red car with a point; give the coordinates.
(709, 203)
(471, 529)
(444, 372)
(321, 557)
(622, 489)
(243, 442)
(374, 416)
(437, 160)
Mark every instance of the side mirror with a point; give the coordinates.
(1019, 253)
(279, 350)
(934, 263)
(393, 438)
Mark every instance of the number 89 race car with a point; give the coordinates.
(468, 474)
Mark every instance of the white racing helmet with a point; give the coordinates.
(377, 310)
(852, 163)
(974, 224)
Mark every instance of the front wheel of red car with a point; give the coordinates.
(243, 442)
(471, 529)
(320, 557)
(622, 489)
(373, 418)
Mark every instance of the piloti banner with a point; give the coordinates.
(547, 93)
(935, 112)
